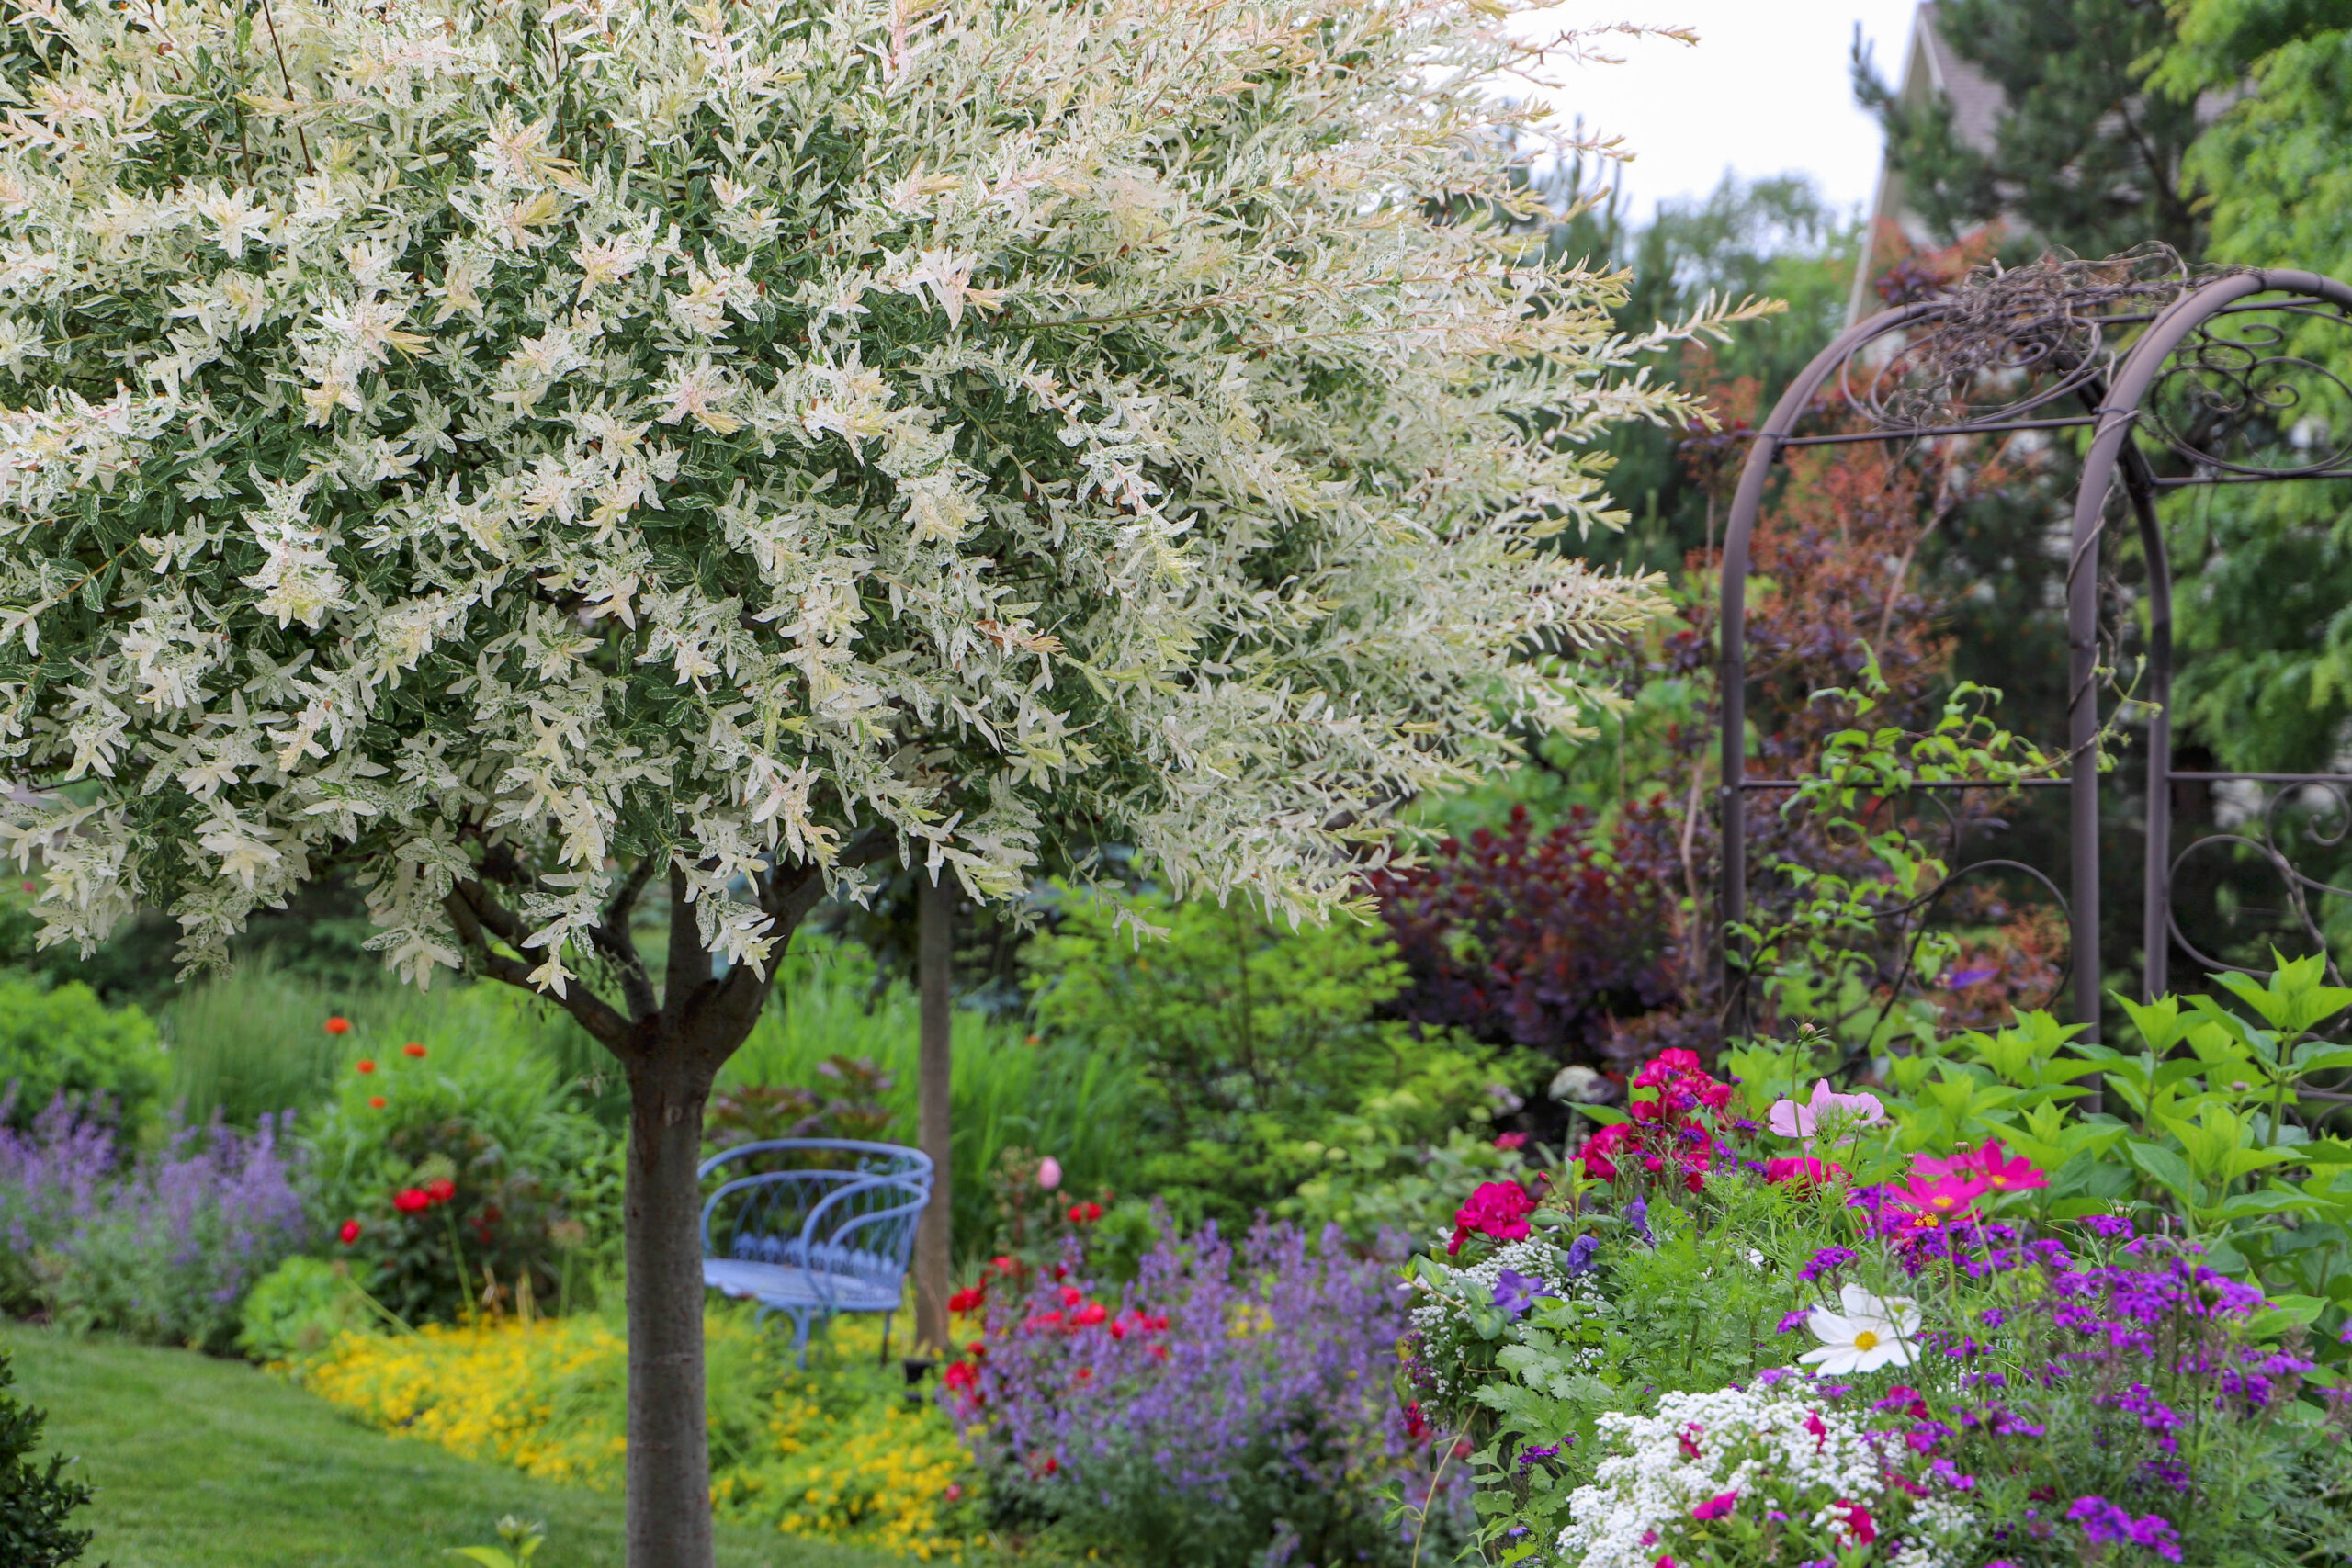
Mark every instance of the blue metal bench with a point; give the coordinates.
(830, 1232)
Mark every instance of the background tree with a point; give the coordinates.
(2087, 149)
(532, 455)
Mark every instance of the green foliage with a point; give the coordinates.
(62, 1041)
(537, 1178)
(522, 1539)
(1258, 1047)
(295, 1311)
(1010, 1088)
(254, 1041)
(36, 1501)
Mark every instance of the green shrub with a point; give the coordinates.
(533, 1180)
(254, 1042)
(1010, 1089)
(1258, 1048)
(297, 1309)
(62, 1041)
(36, 1500)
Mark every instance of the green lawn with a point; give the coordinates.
(201, 1463)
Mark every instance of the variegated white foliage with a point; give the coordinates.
(713, 432)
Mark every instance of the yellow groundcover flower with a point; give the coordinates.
(835, 1453)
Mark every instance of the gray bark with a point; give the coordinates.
(934, 1239)
(668, 1465)
(670, 1047)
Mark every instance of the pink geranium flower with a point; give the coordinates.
(1804, 1172)
(1498, 1209)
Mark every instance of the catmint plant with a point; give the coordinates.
(1230, 1403)
(161, 1247)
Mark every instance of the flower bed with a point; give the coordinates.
(836, 1453)
(1843, 1329)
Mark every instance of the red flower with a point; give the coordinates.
(365, 1064)
(1156, 1352)
(412, 1049)
(1509, 1141)
(338, 1024)
(1085, 1213)
(349, 1233)
(1857, 1521)
(1803, 1172)
(1118, 1329)
(1086, 1374)
(968, 1301)
(962, 1376)
(374, 1102)
(1072, 1295)
(1089, 1315)
(411, 1200)
(1498, 1209)
(440, 1190)
(1002, 1265)
(1417, 1425)
(1052, 1465)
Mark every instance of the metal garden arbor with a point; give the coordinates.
(2182, 379)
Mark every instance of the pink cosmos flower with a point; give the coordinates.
(2006, 1173)
(1049, 1173)
(1716, 1507)
(1940, 1197)
(1843, 1112)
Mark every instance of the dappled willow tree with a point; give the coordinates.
(539, 454)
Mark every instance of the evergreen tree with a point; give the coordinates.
(2087, 154)
(36, 1501)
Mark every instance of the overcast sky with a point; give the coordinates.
(1764, 92)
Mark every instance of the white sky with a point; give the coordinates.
(1764, 92)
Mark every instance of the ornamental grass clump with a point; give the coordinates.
(160, 1247)
(1230, 1405)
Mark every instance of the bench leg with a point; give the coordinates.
(884, 1359)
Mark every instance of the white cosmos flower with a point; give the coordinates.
(1872, 1331)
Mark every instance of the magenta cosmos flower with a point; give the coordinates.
(1839, 1113)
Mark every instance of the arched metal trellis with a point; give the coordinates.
(2182, 380)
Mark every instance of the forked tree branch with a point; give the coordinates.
(478, 917)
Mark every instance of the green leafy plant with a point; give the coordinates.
(522, 1544)
(1261, 1050)
(62, 1040)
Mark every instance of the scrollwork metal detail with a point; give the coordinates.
(2238, 388)
(2327, 828)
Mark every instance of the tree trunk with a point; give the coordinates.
(934, 1238)
(669, 1442)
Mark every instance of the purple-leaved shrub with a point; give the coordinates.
(160, 1247)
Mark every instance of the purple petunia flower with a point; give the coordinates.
(1515, 1293)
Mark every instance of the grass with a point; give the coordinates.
(203, 1463)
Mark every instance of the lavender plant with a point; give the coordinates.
(1237, 1406)
(161, 1249)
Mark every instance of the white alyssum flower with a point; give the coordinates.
(1777, 1437)
(1872, 1331)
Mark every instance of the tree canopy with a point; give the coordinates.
(560, 445)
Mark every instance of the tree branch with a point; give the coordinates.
(688, 969)
(471, 909)
(612, 938)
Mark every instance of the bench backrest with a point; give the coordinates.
(854, 1222)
